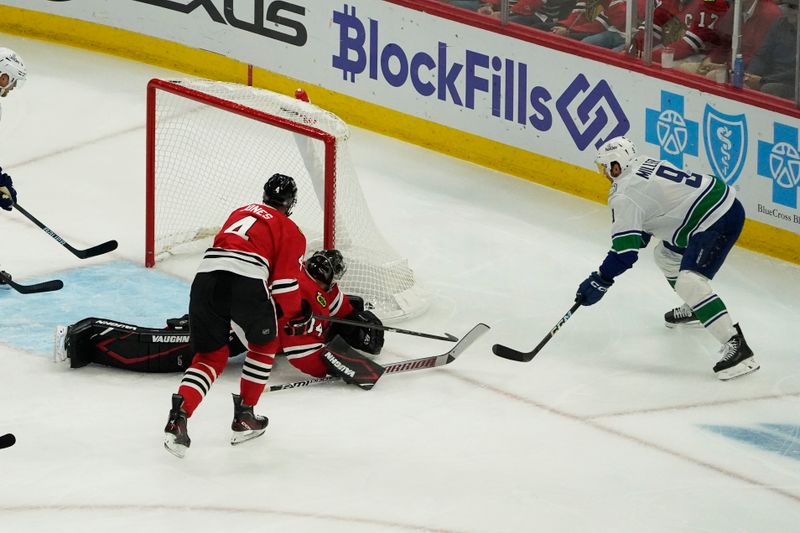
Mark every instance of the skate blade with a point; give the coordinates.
(692, 325)
(745, 367)
(178, 450)
(238, 437)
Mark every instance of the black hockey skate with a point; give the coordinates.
(737, 358)
(246, 425)
(176, 438)
(681, 316)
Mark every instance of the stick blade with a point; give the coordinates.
(511, 354)
(45, 286)
(100, 249)
(7, 440)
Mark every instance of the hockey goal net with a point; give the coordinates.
(212, 145)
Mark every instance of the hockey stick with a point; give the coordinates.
(408, 365)
(7, 440)
(83, 254)
(512, 354)
(45, 286)
(446, 337)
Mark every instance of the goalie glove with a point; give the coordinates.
(362, 338)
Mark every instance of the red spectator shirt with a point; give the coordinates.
(596, 16)
(697, 20)
(754, 29)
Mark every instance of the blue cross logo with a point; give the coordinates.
(670, 130)
(780, 162)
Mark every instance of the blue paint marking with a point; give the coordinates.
(120, 291)
(781, 439)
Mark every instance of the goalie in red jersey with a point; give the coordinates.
(305, 337)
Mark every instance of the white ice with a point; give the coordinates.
(611, 428)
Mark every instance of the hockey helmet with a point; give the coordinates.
(326, 266)
(12, 65)
(280, 190)
(620, 150)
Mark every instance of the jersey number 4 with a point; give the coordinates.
(241, 227)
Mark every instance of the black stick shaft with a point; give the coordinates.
(83, 254)
(514, 355)
(445, 337)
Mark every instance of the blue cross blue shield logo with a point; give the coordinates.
(725, 138)
(780, 162)
(670, 130)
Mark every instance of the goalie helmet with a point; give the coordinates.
(12, 65)
(620, 150)
(326, 266)
(280, 190)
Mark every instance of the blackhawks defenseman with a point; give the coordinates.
(697, 219)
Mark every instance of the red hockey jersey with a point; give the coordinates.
(308, 346)
(258, 241)
(757, 22)
(596, 16)
(688, 26)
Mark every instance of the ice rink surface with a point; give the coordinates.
(618, 425)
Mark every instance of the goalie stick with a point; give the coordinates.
(405, 366)
(103, 248)
(509, 353)
(446, 337)
(7, 440)
(45, 286)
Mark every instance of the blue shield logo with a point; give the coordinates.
(725, 137)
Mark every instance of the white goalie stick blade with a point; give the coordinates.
(404, 366)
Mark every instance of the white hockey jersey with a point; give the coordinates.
(653, 197)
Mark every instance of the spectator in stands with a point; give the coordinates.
(689, 27)
(597, 22)
(539, 14)
(757, 18)
(771, 69)
(472, 5)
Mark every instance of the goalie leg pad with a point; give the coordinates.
(347, 363)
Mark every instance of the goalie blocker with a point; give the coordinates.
(164, 350)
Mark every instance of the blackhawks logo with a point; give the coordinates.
(321, 300)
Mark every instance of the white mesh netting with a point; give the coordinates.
(210, 160)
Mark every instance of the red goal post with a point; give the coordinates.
(210, 146)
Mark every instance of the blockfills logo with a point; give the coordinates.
(494, 86)
(780, 161)
(725, 138)
(670, 130)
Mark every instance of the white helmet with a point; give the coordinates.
(12, 65)
(620, 150)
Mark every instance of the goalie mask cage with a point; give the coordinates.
(212, 145)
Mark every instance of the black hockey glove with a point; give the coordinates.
(8, 195)
(178, 324)
(362, 338)
(592, 289)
